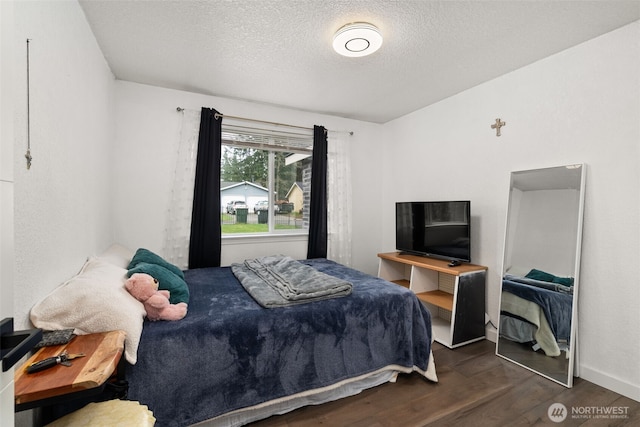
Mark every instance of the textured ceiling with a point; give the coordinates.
(279, 52)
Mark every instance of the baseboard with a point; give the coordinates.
(490, 333)
(632, 391)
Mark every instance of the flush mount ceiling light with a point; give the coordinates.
(357, 39)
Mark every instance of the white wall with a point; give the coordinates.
(6, 195)
(579, 106)
(62, 204)
(544, 224)
(147, 135)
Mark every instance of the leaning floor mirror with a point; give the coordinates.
(540, 271)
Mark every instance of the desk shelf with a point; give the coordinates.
(440, 299)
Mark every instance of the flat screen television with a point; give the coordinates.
(435, 229)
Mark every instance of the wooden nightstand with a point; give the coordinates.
(87, 376)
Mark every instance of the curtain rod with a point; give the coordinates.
(217, 115)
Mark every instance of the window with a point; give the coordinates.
(266, 180)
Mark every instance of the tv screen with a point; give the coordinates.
(435, 229)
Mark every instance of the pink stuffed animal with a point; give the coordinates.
(145, 289)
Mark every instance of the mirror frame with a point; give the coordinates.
(551, 172)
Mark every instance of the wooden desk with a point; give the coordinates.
(86, 375)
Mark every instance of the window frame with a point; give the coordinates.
(271, 141)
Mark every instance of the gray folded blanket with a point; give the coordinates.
(281, 281)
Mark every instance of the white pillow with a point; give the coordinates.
(95, 300)
(117, 255)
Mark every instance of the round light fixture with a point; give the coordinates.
(357, 39)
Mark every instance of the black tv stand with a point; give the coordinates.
(454, 263)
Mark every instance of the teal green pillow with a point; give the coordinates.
(167, 280)
(566, 281)
(540, 275)
(548, 277)
(145, 255)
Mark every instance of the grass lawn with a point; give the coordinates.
(252, 228)
(230, 226)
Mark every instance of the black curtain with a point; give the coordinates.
(206, 243)
(317, 246)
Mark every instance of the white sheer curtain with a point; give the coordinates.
(178, 228)
(339, 198)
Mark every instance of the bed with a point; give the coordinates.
(537, 309)
(230, 361)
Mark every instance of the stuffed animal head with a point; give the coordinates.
(141, 286)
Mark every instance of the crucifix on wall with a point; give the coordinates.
(497, 125)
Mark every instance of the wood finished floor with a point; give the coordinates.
(476, 388)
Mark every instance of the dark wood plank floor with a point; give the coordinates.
(476, 388)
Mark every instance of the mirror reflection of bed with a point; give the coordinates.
(537, 328)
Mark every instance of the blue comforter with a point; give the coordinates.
(556, 306)
(230, 353)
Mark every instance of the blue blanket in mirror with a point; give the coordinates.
(230, 353)
(556, 306)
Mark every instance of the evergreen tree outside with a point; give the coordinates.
(247, 164)
(244, 164)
